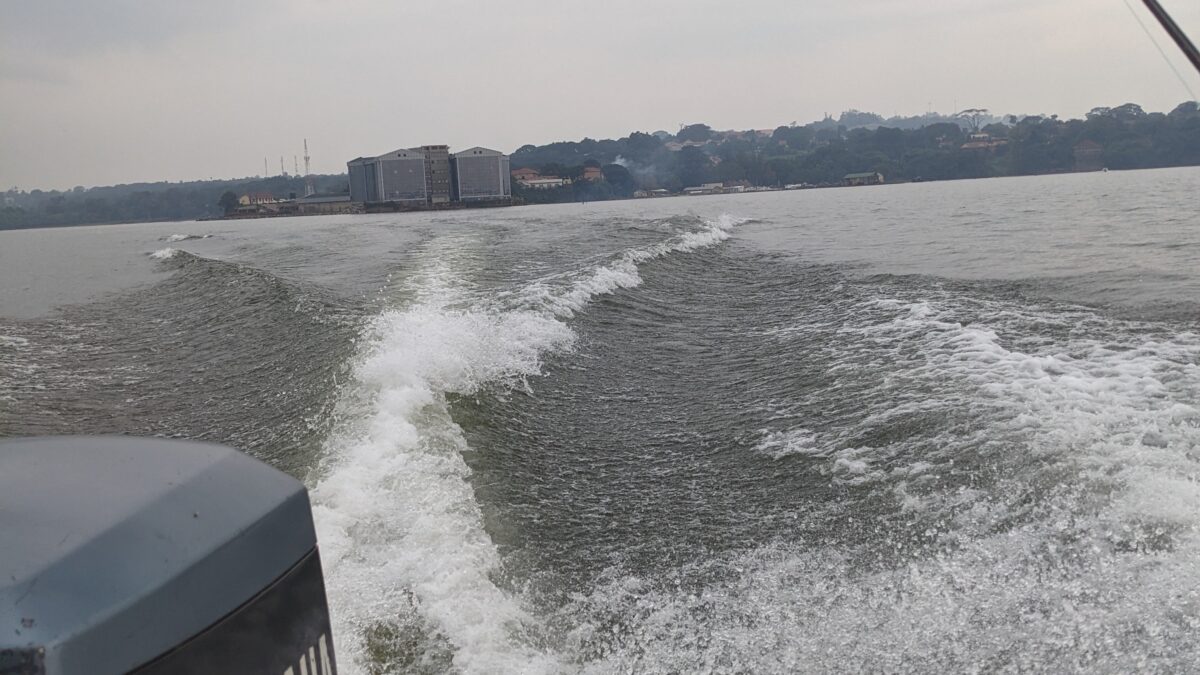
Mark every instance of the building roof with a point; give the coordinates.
(402, 153)
(479, 151)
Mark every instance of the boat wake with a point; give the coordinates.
(410, 567)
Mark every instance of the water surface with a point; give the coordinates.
(916, 428)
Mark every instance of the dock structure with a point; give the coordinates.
(864, 178)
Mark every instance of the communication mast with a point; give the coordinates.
(309, 188)
(264, 167)
(282, 171)
(295, 165)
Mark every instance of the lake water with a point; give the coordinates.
(913, 428)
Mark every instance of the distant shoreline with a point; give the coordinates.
(772, 190)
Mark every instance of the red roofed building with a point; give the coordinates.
(525, 174)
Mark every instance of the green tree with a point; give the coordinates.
(796, 138)
(641, 147)
(698, 133)
(228, 202)
(619, 178)
(1128, 112)
(974, 117)
(692, 166)
(552, 169)
(855, 118)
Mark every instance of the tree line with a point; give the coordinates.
(971, 144)
(145, 202)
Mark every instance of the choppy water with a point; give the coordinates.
(920, 428)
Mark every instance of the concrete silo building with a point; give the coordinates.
(480, 174)
(398, 176)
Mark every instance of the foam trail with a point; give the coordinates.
(164, 253)
(399, 527)
(623, 272)
(398, 510)
(1074, 549)
(779, 444)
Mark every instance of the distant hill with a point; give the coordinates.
(145, 202)
(970, 144)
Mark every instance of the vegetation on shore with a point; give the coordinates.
(971, 144)
(145, 202)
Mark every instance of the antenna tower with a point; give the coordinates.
(282, 171)
(264, 167)
(309, 188)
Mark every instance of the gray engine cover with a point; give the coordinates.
(116, 550)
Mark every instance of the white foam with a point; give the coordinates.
(396, 516)
(780, 444)
(185, 237)
(623, 272)
(1123, 413)
(1106, 401)
(13, 341)
(1005, 602)
(1069, 541)
(164, 253)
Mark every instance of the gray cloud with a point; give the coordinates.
(173, 90)
(58, 28)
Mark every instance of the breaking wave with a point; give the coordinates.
(1047, 522)
(410, 568)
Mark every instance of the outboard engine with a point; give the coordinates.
(121, 554)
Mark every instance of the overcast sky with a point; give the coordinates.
(96, 93)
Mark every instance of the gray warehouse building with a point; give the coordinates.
(430, 175)
(397, 176)
(481, 174)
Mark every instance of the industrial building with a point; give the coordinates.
(364, 182)
(437, 172)
(481, 174)
(397, 176)
(430, 176)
